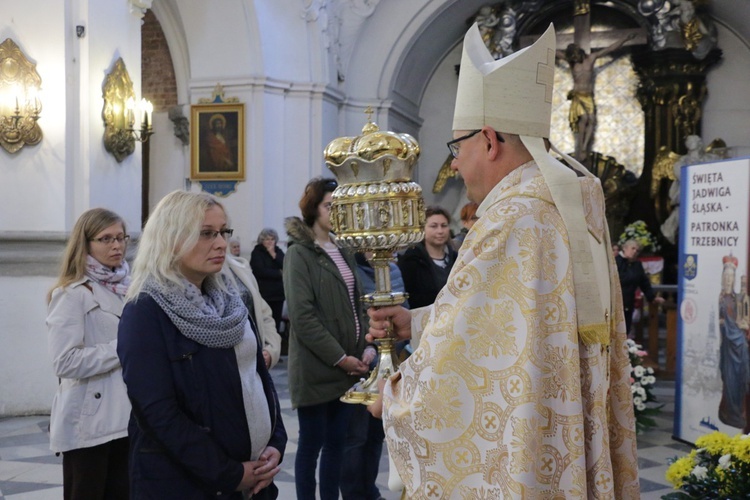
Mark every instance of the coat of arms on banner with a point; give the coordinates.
(690, 268)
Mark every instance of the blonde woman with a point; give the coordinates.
(206, 418)
(90, 411)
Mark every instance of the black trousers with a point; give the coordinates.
(97, 473)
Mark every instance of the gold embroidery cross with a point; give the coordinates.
(489, 422)
(545, 74)
(550, 313)
(514, 386)
(603, 481)
(463, 281)
(432, 491)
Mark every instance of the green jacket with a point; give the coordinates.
(322, 320)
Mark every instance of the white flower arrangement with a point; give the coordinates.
(639, 232)
(642, 380)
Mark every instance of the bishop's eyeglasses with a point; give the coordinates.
(455, 147)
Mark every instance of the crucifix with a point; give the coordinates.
(581, 59)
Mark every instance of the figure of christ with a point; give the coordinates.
(582, 115)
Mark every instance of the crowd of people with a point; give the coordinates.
(164, 372)
(165, 389)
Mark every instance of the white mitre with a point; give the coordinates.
(514, 95)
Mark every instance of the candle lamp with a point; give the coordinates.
(120, 111)
(21, 107)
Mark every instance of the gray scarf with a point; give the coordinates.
(216, 319)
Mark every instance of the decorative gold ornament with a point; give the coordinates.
(581, 7)
(218, 97)
(445, 173)
(376, 208)
(120, 111)
(20, 105)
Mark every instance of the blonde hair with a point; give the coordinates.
(88, 225)
(171, 232)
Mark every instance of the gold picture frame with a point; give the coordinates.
(217, 149)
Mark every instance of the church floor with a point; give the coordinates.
(29, 471)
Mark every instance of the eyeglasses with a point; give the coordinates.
(210, 234)
(454, 145)
(108, 240)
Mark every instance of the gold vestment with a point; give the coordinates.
(501, 398)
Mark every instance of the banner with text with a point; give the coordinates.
(713, 363)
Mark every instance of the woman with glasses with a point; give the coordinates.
(206, 420)
(326, 343)
(89, 419)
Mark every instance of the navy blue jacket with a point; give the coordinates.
(188, 431)
(632, 277)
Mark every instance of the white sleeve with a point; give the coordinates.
(71, 357)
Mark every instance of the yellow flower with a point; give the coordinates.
(680, 469)
(740, 447)
(716, 443)
(721, 474)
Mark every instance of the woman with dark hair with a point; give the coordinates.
(327, 343)
(267, 261)
(425, 266)
(89, 420)
(206, 421)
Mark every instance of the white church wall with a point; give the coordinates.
(222, 41)
(726, 112)
(290, 40)
(37, 170)
(169, 159)
(27, 383)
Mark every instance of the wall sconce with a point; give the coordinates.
(19, 99)
(120, 112)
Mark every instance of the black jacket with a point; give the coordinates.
(267, 271)
(422, 278)
(632, 277)
(188, 431)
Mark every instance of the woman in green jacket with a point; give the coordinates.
(327, 352)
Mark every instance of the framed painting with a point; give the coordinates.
(217, 148)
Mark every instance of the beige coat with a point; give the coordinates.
(270, 338)
(91, 406)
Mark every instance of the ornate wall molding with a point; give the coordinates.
(340, 22)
